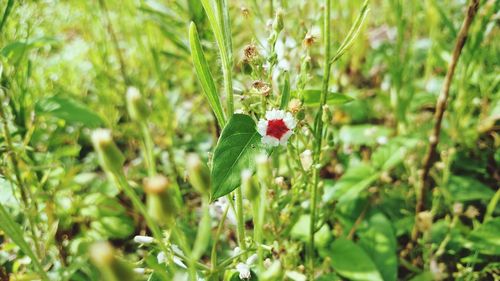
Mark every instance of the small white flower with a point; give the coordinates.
(139, 270)
(143, 239)
(161, 257)
(101, 136)
(382, 140)
(306, 159)
(179, 262)
(252, 259)
(236, 251)
(244, 270)
(277, 128)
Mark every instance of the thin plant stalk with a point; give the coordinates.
(213, 254)
(258, 206)
(430, 156)
(120, 180)
(148, 149)
(318, 138)
(240, 218)
(26, 196)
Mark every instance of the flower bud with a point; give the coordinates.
(424, 221)
(274, 272)
(294, 106)
(327, 114)
(103, 257)
(160, 200)
(306, 159)
(278, 21)
(198, 174)
(110, 156)
(248, 185)
(143, 239)
(136, 106)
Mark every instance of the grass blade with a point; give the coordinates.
(12, 230)
(6, 13)
(204, 75)
(285, 92)
(353, 33)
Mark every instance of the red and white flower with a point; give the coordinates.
(276, 128)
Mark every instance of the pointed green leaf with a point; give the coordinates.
(312, 98)
(285, 92)
(69, 110)
(204, 75)
(235, 151)
(350, 261)
(379, 242)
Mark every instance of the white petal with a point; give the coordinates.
(251, 260)
(161, 257)
(285, 137)
(143, 239)
(139, 270)
(179, 262)
(262, 127)
(289, 121)
(244, 270)
(275, 114)
(270, 141)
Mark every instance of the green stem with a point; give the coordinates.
(26, 196)
(121, 181)
(492, 206)
(213, 255)
(318, 130)
(226, 54)
(240, 219)
(258, 217)
(148, 152)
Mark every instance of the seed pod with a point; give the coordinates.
(198, 174)
(112, 268)
(248, 185)
(160, 200)
(136, 106)
(110, 156)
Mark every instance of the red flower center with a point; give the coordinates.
(276, 128)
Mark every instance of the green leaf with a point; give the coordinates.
(353, 33)
(69, 110)
(468, 189)
(285, 92)
(203, 235)
(119, 227)
(350, 261)
(204, 75)
(16, 50)
(379, 241)
(390, 155)
(235, 151)
(363, 134)
(485, 238)
(8, 8)
(355, 180)
(300, 231)
(14, 232)
(312, 98)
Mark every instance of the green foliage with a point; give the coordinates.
(236, 149)
(207, 72)
(350, 261)
(69, 110)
